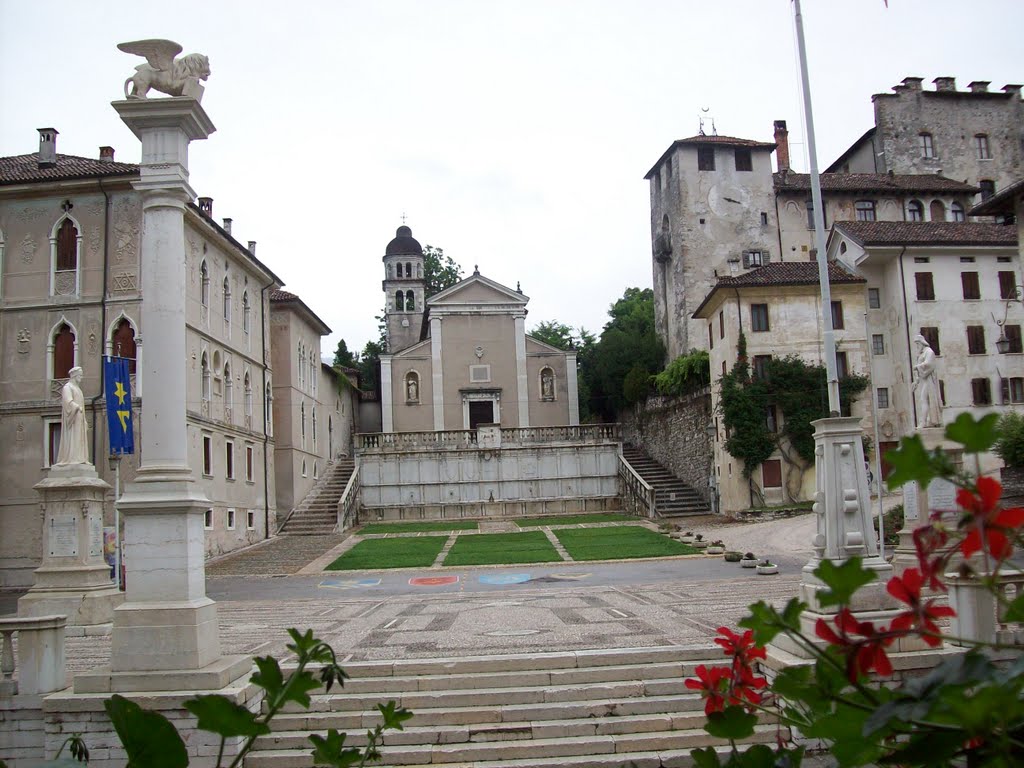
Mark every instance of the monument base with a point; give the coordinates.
(89, 611)
(165, 635)
(224, 672)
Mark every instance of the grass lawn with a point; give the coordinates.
(419, 552)
(502, 549)
(619, 543)
(602, 517)
(419, 527)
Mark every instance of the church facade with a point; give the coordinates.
(461, 358)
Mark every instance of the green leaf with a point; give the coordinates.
(910, 462)
(976, 436)
(732, 723)
(331, 750)
(767, 622)
(1015, 611)
(299, 687)
(148, 737)
(705, 758)
(393, 716)
(842, 580)
(929, 748)
(268, 675)
(763, 756)
(220, 715)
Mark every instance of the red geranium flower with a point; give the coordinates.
(929, 539)
(745, 685)
(863, 654)
(923, 614)
(740, 647)
(712, 683)
(988, 527)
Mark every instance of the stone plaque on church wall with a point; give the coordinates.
(95, 536)
(63, 536)
(911, 504)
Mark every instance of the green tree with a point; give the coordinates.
(627, 342)
(369, 365)
(561, 335)
(344, 358)
(439, 271)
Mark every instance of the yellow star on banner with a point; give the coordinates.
(120, 393)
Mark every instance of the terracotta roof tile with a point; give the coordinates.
(24, 169)
(278, 295)
(872, 182)
(927, 233)
(781, 273)
(725, 141)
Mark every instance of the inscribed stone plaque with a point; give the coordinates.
(911, 504)
(941, 495)
(63, 536)
(95, 536)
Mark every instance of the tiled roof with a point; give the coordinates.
(781, 273)
(927, 233)
(725, 141)
(872, 182)
(1001, 203)
(278, 295)
(24, 169)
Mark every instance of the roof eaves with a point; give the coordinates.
(870, 132)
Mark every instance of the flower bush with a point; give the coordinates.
(968, 710)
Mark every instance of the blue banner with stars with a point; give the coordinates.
(118, 391)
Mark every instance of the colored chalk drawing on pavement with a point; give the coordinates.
(348, 583)
(505, 578)
(432, 581)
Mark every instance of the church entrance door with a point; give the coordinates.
(481, 412)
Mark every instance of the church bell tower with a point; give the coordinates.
(404, 289)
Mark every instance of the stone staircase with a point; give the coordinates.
(673, 497)
(589, 709)
(317, 514)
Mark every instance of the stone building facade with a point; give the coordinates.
(314, 405)
(778, 309)
(973, 135)
(466, 358)
(948, 282)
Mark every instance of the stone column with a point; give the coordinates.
(573, 389)
(522, 382)
(436, 373)
(74, 579)
(165, 634)
(387, 401)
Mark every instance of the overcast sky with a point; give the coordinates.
(515, 135)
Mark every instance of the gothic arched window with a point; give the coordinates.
(205, 364)
(122, 342)
(65, 243)
(399, 301)
(63, 351)
(246, 313)
(410, 301)
(204, 286)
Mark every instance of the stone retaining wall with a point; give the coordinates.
(673, 431)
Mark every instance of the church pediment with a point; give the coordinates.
(477, 291)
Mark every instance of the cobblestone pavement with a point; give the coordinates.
(279, 556)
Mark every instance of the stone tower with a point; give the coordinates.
(404, 288)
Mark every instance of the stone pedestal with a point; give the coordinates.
(74, 579)
(165, 634)
(842, 506)
(918, 503)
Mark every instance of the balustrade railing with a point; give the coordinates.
(636, 493)
(348, 504)
(40, 663)
(467, 438)
(979, 615)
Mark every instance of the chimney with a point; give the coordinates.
(206, 206)
(979, 86)
(1011, 88)
(227, 225)
(47, 147)
(913, 83)
(252, 247)
(106, 154)
(781, 145)
(945, 84)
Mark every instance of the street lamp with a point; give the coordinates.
(712, 430)
(1003, 343)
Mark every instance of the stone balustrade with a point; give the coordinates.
(454, 439)
(979, 615)
(40, 663)
(348, 504)
(637, 494)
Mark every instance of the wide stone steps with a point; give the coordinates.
(599, 708)
(673, 497)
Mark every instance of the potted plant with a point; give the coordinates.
(732, 556)
(699, 541)
(1010, 448)
(767, 568)
(716, 547)
(749, 560)
(687, 538)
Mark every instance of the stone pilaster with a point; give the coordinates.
(436, 373)
(522, 382)
(573, 389)
(387, 400)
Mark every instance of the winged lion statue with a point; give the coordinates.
(163, 71)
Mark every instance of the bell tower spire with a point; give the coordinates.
(404, 287)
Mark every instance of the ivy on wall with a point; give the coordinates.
(797, 389)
